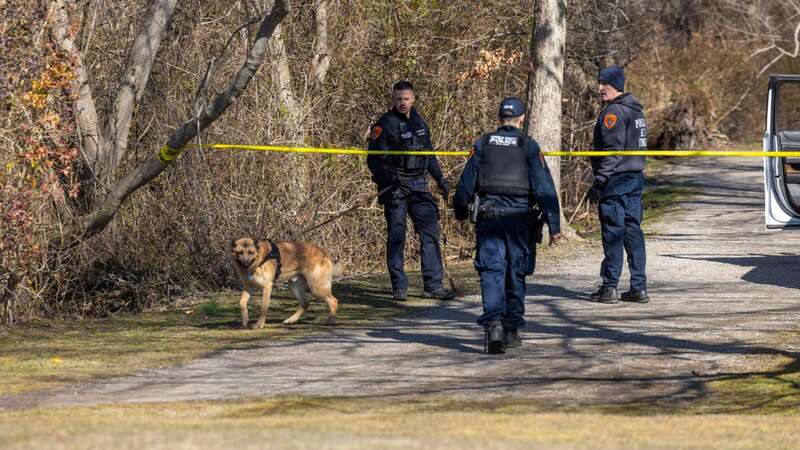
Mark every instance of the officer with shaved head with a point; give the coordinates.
(403, 177)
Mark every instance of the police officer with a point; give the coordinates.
(618, 186)
(403, 128)
(508, 173)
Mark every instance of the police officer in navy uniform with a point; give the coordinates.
(618, 186)
(403, 129)
(508, 173)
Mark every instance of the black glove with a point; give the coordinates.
(595, 192)
(444, 188)
(460, 211)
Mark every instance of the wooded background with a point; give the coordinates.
(91, 90)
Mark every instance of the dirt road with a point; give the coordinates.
(723, 290)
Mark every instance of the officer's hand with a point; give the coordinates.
(594, 192)
(444, 190)
(556, 239)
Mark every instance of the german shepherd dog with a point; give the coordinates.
(262, 263)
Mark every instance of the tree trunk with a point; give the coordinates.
(87, 226)
(90, 137)
(322, 56)
(547, 51)
(137, 72)
(297, 108)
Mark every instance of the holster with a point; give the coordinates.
(536, 225)
(487, 210)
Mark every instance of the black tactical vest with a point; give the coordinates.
(409, 139)
(504, 166)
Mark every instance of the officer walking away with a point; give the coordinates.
(403, 129)
(504, 183)
(618, 186)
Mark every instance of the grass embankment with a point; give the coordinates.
(754, 410)
(361, 423)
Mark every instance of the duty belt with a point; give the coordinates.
(488, 210)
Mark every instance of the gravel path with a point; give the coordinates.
(723, 290)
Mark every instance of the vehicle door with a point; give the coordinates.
(782, 175)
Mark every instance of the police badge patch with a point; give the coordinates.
(376, 132)
(610, 120)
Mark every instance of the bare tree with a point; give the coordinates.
(104, 145)
(142, 55)
(773, 27)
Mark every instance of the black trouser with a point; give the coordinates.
(421, 207)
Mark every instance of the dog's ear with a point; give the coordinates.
(233, 243)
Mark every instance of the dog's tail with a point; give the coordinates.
(338, 270)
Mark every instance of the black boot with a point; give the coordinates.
(511, 339)
(439, 294)
(635, 296)
(605, 294)
(400, 295)
(493, 343)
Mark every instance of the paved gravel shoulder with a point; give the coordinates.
(723, 291)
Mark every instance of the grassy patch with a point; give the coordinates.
(370, 423)
(49, 354)
(209, 308)
(661, 200)
(769, 385)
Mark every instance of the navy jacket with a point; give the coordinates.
(620, 126)
(386, 136)
(543, 190)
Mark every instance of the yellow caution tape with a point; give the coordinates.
(332, 151)
(358, 151)
(168, 154)
(679, 153)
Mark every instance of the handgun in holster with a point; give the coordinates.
(474, 209)
(536, 225)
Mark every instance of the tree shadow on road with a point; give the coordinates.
(772, 387)
(781, 270)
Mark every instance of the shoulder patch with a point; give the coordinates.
(541, 159)
(610, 120)
(376, 132)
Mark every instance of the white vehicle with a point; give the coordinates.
(782, 175)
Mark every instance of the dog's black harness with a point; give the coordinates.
(276, 255)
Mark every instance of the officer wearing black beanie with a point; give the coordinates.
(618, 187)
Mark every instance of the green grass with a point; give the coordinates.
(209, 308)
